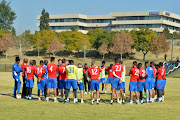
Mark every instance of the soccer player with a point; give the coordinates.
(72, 75)
(59, 64)
(40, 70)
(81, 71)
(157, 67)
(62, 78)
(117, 70)
(164, 83)
(52, 79)
(94, 72)
(153, 80)
(16, 69)
(124, 75)
(110, 77)
(45, 77)
(141, 81)
(134, 74)
(102, 79)
(31, 71)
(148, 84)
(85, 79)
(24, 64)
(159, 84)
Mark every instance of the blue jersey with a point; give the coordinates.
(46, 71)
(16, 69)
(149, 72)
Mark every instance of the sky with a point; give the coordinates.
(28, 10)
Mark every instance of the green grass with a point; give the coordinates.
(12, 108)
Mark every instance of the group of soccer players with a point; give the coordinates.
(65, 75)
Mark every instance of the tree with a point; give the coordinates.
(103, 49)
(167, 33)
(44, 20)
(6, 41)
(13, 31)
(159, 45)
(55, 46)
(98, 37)
(142, 39)
(7, 16)
(122, 43)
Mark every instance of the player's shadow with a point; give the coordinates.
(7, 94)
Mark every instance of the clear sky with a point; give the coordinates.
(27, 10)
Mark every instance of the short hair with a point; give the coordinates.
(17, 59)
(31, 62)
(79, 63)
(59, 60)
(103, 62)
(120, 61)
(161, 64)
(45, 61)
(146, 63)
(85, 64)
(139, 64)
(52, 59)
(135, 63)
(71, 61)
(63, 60)
(152, 62)
(34, 61)
(116, 60)
(41, 61)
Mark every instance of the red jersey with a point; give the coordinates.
(40, 70)
(160, 73)
(24, 65)
(164, 76)
(118, 69)
(142, 73)
(110, 73)
(134, 72)
(52, 70)
(94, 72)
(62, 72)
(155, 71)
(30, 69)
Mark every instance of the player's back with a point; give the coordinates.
(24, 65)
(160, 73)
(110, 73)
(71, 71)
(142, 73)
(62, 72)
(40, 70)
(118, 69)
(134, 72)
(164, 75)
(30, 70)
(155, 71)
(94, 72)
(52, 70)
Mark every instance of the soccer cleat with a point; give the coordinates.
(111, 103)
(137, 103)
(68, 100)
(123, 103)
(82, 101)
(62, 100)
(76, 103)
(56, 101)
(92, 103)
(102, 92)
(97, 103)
(130, 103)
(31, 99)
(89, 92)
(85, 92)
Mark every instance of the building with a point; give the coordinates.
(116, 21)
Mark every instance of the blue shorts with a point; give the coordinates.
(133, 86)
(52, 83)
(94, 85)
(164, 83)
(148, 84)
(41, 85)
(159, 85)
(62, 84)
(152, 83)
(81, 86)
(109, 80)
(141, 86)
(71, 82)
(29, 83)
(115, 83)
(102, 80)
(45, 77)
(120, 86)
(123, 85)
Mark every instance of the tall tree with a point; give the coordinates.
(103, 49)
(55, 46)
(7, 16)
(13, 31)
(122, 43)
(159, 45)
(142, 39)
(98, 37)
(44, 20)
(167, 33)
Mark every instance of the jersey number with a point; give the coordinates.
(143, 73)
(51, 68)
(39, 70)
(28, 69)
(63, 69)
(136, 72)
(94, 71)
(118, 67)
(71, 69)
(162, 72)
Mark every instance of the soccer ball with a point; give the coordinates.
(18, 96)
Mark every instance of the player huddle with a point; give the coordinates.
(65, 75)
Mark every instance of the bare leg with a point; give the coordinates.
(55, 92)
(122, 94)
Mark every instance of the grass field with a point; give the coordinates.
(13, 109)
